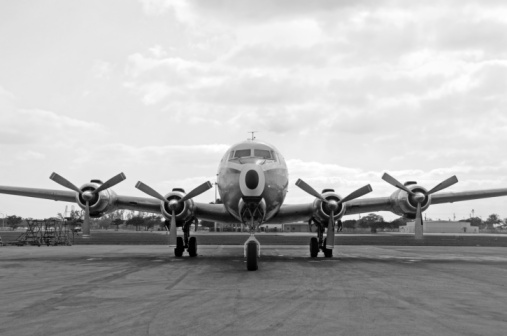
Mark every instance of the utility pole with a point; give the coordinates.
(3, 221)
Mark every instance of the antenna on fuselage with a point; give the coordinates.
(253, 135)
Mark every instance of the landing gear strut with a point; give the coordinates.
(186, 242)
(318, 243)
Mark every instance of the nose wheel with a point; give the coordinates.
(252, 253)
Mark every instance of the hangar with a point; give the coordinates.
(441, 227)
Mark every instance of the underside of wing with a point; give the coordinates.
(363, 205)
(290, 213)
(213, 213)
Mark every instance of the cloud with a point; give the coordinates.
(40, 127)
(102, 69)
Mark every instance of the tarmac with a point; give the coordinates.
(144, 290)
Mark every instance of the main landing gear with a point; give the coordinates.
(318, 243)
(186, 243)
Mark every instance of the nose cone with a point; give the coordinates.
(252, 179)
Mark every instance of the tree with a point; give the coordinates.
(151, 221)
(492, 219)
(136, 221)
(117, 222)
(349, 224)
(13, 221)
(395, 224)
(370, 221)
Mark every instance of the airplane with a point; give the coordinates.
(252, 183)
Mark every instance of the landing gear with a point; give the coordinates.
(251, 256)
(328, 253)
(318, 243)
(178, 251)
(192, 247)
(186, 243)
(314, 247)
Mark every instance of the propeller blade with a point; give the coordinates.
(394, 182)
(358, 193)
(445, 184)
(64, 182)
(172, 230)
(306, 187)
(110, 183)
(418, 215)
(330, 232)
(148, 190)
(86, 222)
(197, 191)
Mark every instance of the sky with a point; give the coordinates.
(346, 90)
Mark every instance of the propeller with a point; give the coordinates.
(87, 195)
(332, 205)
(420, 196)
(173, 203)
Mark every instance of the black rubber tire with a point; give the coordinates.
(178, 251)
(192, 247)
(251, 256)
(328, 253)
(314, 247)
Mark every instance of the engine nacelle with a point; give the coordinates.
(185, 210)
(102, 203)
(321, 211)
(404, 204)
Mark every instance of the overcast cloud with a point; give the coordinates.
(345, 89)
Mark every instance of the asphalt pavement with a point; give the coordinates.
(143, 290)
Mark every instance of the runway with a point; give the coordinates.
(143, 290)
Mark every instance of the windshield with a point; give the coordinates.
(241, 153)
(263, 153)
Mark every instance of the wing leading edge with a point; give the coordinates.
(211, 212)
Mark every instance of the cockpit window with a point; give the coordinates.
(263, 153)
(241, 153)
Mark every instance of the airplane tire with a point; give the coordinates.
(328, 253)
(314, 247)
(251, 256)
(192, 247)
(178, 251)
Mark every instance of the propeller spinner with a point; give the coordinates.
(87, 195)
(332, 205)
(173, 203)
(419, 196)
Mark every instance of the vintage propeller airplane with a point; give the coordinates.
(252, 183)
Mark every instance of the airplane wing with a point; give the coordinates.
(51, 194)
(290, 213)
(358, 206)
(211, 212)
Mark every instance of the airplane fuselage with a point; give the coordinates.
(252, 171)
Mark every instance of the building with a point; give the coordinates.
(441, 227)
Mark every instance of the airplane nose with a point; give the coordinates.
(252, 179)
